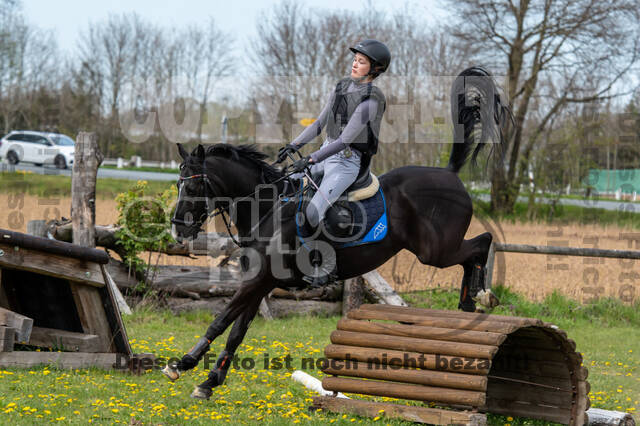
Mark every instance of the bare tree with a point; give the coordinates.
(28, 61)
(278, 54)
(313, 44)
(107, 52)
(279, 42)
(582, 49)
(337, 32)
(205, 58)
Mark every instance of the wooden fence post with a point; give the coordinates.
(352, 294)
(86, 161)
(558, 251)
(491, 259)
(381, 289)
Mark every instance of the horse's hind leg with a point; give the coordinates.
(474, 271)
(472, 255)
(470, 286)
(219, 372)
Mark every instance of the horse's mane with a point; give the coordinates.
(246, 152)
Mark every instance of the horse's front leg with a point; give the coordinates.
(217, 375)
(244, 297)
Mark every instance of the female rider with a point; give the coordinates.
(352, 116)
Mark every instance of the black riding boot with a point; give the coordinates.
(324, 269)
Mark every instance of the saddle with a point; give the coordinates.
(358, 216)
(363, 188)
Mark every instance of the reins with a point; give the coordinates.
(222, 210)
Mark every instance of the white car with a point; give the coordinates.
(37, 147)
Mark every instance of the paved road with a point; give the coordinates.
(102, 172)
(599, 204)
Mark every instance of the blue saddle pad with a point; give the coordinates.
(370, 215)
(374, 210)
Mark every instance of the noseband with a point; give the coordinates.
(206, 215)
(208, 187)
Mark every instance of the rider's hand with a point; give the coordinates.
(301, 164)
(285, 151)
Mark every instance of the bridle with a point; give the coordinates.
(208, 186)
(207, 213)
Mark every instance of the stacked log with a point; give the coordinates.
(475, 362)
(212, 244)
(188, 288)
(213, 295)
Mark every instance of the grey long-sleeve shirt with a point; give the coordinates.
(363, 113)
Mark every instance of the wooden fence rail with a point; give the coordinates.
(560, 251)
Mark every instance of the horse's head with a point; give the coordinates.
(193, 184)
(212, 179)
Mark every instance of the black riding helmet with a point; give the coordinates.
(377, 52)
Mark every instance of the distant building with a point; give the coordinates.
(625, 181)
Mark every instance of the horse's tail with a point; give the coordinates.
(475, 107)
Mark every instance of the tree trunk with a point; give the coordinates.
(212, 244)
(502, 192)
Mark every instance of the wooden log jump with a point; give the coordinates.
(476, 363)
(57, 296)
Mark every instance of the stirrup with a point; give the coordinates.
(320, 280)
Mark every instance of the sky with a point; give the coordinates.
(68, 18)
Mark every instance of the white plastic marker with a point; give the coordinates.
(313, 384)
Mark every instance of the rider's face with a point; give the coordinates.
(360, 66)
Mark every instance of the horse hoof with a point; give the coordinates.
(201, 393)
(172, 373)
(487, 299)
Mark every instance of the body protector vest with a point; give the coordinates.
(343, 108)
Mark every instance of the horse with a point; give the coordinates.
(428, 211)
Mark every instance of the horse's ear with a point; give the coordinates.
(183, 152)
(200, 152)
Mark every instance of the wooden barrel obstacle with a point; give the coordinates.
(468, 363)
(59, 296)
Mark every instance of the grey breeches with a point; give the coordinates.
(339, 173)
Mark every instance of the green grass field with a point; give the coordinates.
(564, 214)
(60, 186)
(143, 169)
(607, 333)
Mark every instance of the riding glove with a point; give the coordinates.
(301, 164)
(285, 150)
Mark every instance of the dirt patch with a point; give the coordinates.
(534, 276)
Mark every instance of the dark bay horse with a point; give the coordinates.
(428, 212)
